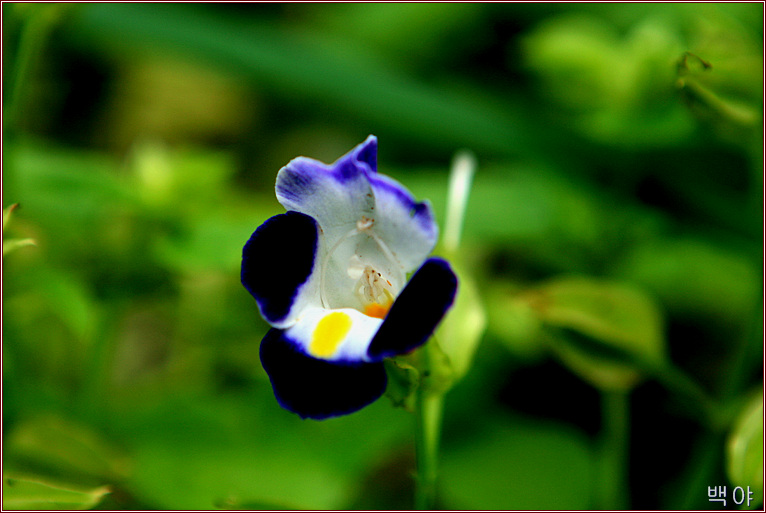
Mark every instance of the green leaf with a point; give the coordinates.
(694, 277)
(22, 493)
(249, 450)
(70, 300)
(615, 314)
(744, 450)
(339, 74)
(462, 328)
(62, 187)
(517, 464)
(185, 176)
(11, 245)
(616, 84)
(7, 214)
(513, 321)
(65, 449)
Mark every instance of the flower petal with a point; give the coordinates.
(315, 388)
(341, 195)
(417, 311)
(339, 335)
(336, 195)
(278, 265)
(407, 226)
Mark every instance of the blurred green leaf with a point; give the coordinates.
(510, 463)
(230, 503)
(616, 86)
(614, 313)
(340, 74)
(513, 321)
(190, 452)
(706, 102)
(728, 91)
(64, 449)
(22, 493)
(213, 241)
(386, 28)
(171, 178)
(68, 298)
(692, 276)
(744, 449)
(543, 216)
(7, 214)
(11, 245)
(64, 186)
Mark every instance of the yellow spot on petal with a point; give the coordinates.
(329, 333)
(376, 310)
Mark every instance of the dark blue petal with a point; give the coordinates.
(417, 311)
(278, 260)
(314, 388)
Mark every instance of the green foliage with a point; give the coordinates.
(745, 449)
(29, 494)
(11, 245)
(65, 449)
(510, 463)
(611, 248)
(247, 450)
(613, 313)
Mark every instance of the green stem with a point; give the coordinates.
(615, 410)
(700, 473)
(429, 402)
(34, 34)
(429, 414)
(678, 382)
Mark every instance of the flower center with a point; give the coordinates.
(373, 288)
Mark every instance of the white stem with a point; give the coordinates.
(461, 176)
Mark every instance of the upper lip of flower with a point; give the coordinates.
(330, 277)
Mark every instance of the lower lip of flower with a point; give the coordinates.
(329, 333)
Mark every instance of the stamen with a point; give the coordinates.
(364, 223)
(372, 287)
(374, 291)
(396, 267)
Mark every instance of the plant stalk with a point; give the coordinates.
(615, 434)
(429, 415)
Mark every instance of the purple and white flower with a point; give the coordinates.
(331, 277)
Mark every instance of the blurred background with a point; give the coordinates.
(612, 241)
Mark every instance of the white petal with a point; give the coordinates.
(337, 335)
(405, 225)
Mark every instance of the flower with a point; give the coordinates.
(330, 277)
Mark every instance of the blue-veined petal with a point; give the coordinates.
(336, 195)
(350, 195)
(278, 267)
(417, 311)
(315, 388)
(405, 225)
